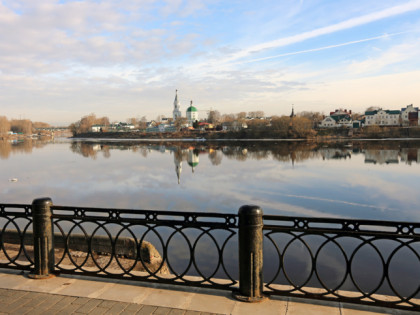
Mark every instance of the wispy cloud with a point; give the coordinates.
(350, 23)
(320, 48)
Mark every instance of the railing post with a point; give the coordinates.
(43, 239)
(250, 254)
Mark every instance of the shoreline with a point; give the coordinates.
(127, 137)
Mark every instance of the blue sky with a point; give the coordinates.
(60, 60)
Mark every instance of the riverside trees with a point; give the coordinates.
(86, 122)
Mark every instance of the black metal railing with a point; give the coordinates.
(16, 248)
(145, 245)
(359, 261)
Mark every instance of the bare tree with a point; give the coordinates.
(227, 118)
(256, 114)
(179, 122)
(4, 125)
(142, 122)
(21, 126)
(213, 116)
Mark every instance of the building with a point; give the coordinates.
(410, 116)
(192, 114)
(382, 117)
(176, 113)
(97, 128)
(338, 118)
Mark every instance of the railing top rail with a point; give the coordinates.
(14, 205)
(150, 216)
(15, 210)
(343, 226)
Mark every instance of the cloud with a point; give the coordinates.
(320, 48)
(394, 55)
(347, 24)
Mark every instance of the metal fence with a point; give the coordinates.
(359, 261)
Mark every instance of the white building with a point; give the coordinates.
(407, 115)
(338, 118)
(382, 117)
(192, 114)
(176, 113)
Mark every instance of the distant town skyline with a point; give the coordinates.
(63, 59)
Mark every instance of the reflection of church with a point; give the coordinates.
(193, 158)
(190, 154)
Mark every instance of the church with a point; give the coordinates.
(191, 113)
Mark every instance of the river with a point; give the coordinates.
(364, 180)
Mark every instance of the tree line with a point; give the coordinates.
(23, 126)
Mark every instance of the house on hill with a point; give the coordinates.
(382, 117)
(338, 118)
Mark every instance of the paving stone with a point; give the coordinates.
(176, 311)
(147, 310)
(107, 304)
(81, 300)
(132, 309)
(14, 305)
(22, 310)
(69, 309)
(88, 306)
(62, 303)
(162, 311)
(192, 313)
(117, 308)
(98, 311)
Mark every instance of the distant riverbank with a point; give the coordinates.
(322, 135)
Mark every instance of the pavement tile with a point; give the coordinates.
(47, 304)
(189, 312)
(162, 311)
(81, 300)
(147, 310)
(117, 308)
(9, 308)
(132, 309)
(354, 309)
(22, 310)
(11, 281)
(98, 311)
(64, 302)
(267, 306)
(84, 288)
(169, 298)
(176, 311)
(212, 303)
(125, 293)
(88, 306)
(69, 309)
(297, 308)
(106, 304)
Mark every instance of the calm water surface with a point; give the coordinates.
(369, 180)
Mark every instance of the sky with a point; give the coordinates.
(61, 60)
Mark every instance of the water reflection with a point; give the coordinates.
(331, 179)
(407, 152)
(9, 147)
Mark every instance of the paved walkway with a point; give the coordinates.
(76, 295)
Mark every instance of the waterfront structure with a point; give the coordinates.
(382, 117)
(336, 119)
(176, 113)
(97, 128)
(192, 114)
(410, 116)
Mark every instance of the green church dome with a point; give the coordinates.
(191, 109)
